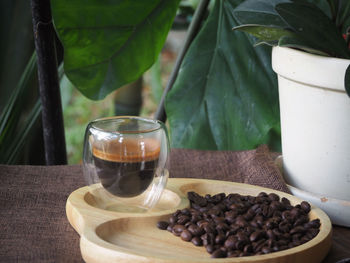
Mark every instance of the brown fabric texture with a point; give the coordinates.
(33, 222)
(252, 167)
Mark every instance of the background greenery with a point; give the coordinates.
(225, 95)
(20, 126)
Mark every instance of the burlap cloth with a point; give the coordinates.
(33, 222)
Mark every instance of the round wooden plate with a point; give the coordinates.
(109, 233)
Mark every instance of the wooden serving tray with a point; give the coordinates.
(112, 236)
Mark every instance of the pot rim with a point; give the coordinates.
(310, 69)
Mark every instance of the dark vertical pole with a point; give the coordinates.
(193, 30)
(44, 36)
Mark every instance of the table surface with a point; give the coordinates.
(33, 222)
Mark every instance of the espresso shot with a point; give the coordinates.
(126, 166)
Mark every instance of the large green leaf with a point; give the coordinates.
(110, 43)
(265, 33)
(260, 12)
(14, 127)
(314, 27)
(225, 96)
(16, 45)
(300, 43)
(343, 18)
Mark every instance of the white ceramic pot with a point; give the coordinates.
(315, 122)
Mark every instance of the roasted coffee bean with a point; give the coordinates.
(254, 223)
(170, 228)
(230, 217)
(214, 212)
(218, 220)
(295, 213)
(240, 221)
(197, 241)
(230, 232)
(209, 229)
(202, 223)
(270, 224)
(237, 225)
(305, 206)
(265, 250)
(286, 236)
(233, 254)
(276, 206)
(273, 197)
(282, 242)
(181, 220)
(276, 232)
(314, 223)
(242, 235)
(284, 226)
(249, 230)
(240, 244)
(275, 248)
(248, 248)
(262, 194)
(208, 238)
(285, 201)
(260, 245)
(300, 221)
(177, 229)
(230, 242)
(210, 248)
(277, 214)
(297, 229)
(296, 236)
(186, 212)
(220, 239)
(222, 226)
(173, 219)
(304, 239)
(203, 209)
(215, 198)
(186, 235)
(271, 234)
(197, 199)
(313, 232)
(269, 243)
(255, 207)
(287, 216)
(257, 244)
(195, 230)
(260, 220)
(195, 218)
(188, 224)
(162, 225)
(255, 236)
(248, 216)
(219, 254)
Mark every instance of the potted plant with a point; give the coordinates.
(311, 57)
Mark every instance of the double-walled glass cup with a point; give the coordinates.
(125, 162)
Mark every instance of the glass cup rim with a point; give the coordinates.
(116, 118)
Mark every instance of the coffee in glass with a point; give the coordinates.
(127, 157)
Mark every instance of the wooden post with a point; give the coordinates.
(53, 128)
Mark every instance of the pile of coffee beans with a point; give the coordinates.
(236, 225)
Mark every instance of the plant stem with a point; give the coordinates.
(44, 36)
(193, 29)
